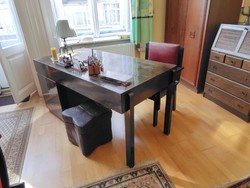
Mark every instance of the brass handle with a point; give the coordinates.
(210, 91)
(214, 67)
(192, 34)
(239, 106)
(232, 62)
(212, 79)
(244, 93)
(217, 57)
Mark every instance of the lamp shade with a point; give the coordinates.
(63, 30)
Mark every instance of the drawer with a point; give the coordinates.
(217, 56)
(234, 61)
(246, 65)
(238, 75)
(229, 86)
(50, 95)
(235, 103)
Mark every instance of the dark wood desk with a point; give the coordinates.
(147, 78)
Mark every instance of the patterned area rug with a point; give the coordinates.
(15, 129)
(147, 176)
(243, 183)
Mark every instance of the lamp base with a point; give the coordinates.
(65, 50)
(65, 47)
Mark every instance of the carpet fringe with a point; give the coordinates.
(125, 170)
(138, 165)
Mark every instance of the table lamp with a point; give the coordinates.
(63, 31)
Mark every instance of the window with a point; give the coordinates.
(95, 18)
(8, 34)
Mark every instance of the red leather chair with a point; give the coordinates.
(4, 178)
(166, 53)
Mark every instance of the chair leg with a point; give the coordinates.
(174, 98)
(157, 104)
(168, 109)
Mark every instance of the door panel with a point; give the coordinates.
(14, 57)
(176, 21)
(185, 20)
(15, 63)
(195, 22)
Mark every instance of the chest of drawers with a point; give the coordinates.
(228, 76)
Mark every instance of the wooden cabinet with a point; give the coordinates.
(228, 76)
(194, 24)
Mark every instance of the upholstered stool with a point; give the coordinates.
(88, 126)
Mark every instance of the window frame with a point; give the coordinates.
(16, 31)
(57, 5)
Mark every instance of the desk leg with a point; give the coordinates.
(168, 109)
(130, 134)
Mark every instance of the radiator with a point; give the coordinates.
(123, 49)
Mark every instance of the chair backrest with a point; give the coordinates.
(165, 52)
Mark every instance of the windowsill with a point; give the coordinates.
(102, 41)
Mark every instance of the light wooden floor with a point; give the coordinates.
(208, 146)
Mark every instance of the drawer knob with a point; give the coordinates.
(239, 106)
(212, 79)
(244, 93)
(217, 57)
(232, 62)
(214, 67)
(210, 90)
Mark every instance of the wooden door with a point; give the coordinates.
(193, 39)
(176, 12)
(185, 21)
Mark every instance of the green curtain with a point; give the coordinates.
(142, 21)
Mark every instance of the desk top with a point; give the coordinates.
(146, 77)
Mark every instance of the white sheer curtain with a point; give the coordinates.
(33, 28)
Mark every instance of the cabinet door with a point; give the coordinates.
(185, 22)
(193, 41)
(176, 13)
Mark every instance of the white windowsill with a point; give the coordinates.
(92, 42)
